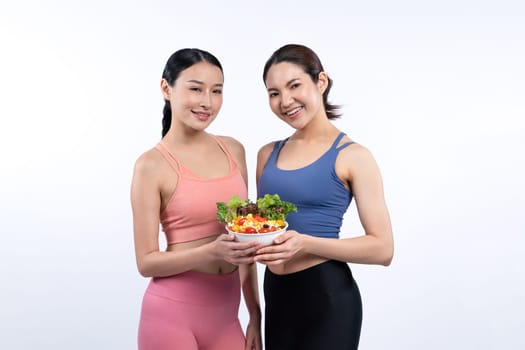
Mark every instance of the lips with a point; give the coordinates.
(202, 115)
(292, 113)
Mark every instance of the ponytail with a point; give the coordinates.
(166, 119)
(332, 111)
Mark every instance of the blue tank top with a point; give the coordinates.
(320, 196)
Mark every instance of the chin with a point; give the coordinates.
(297, 124)
(201, 124)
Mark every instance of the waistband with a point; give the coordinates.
(198, 288)
(329, 273)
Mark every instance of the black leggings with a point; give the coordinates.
(315, 309)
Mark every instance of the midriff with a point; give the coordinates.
(217, 267)
(297, 263)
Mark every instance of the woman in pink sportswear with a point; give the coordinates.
(192, 300)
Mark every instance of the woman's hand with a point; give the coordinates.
(226, 248)
(253, 335)
(284, 247)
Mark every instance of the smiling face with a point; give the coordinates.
(293, 96)
(196, 96)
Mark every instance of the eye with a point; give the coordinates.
(217, 91)
(197, 89)
(295, 86)
(273, 94)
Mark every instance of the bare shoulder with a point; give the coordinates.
(264, 151)
(148, 163)
(356, 152)
(233, 144)
(262, 157)
(355, 159)
(236, 149)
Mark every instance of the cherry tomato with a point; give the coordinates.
(250, 230)
(259, 218)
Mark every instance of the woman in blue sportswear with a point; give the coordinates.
(312, 301)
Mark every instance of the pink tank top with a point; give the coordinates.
(191, 212)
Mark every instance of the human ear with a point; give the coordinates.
(322, 82)
(165, 88)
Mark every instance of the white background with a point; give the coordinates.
(436, 90)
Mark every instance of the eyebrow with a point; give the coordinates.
(288, 83)
(201, 83)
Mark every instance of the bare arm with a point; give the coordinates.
(250, 290)
(359, 168)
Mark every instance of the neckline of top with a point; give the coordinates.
(324, 154)
(187, 173)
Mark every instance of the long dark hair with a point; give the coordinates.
(179, 61)
(308, 60)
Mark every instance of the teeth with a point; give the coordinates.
(293, 111)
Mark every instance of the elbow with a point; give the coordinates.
(144, 272)
(144, 269)
(387, 261)
(387, 254)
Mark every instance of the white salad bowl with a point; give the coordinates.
(262, 238)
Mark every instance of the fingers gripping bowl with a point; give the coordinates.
(261, 221)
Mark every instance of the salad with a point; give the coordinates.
(267, 214)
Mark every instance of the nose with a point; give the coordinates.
(286, 99)
(206, 100)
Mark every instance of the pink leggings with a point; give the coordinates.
(192, 311)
